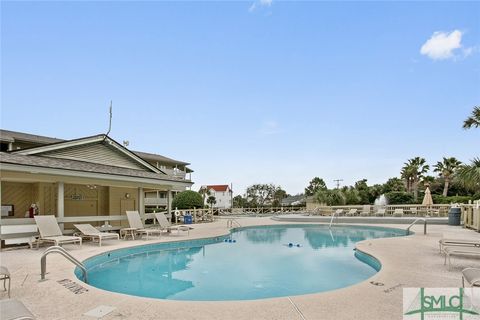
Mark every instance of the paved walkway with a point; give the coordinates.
(412, 261)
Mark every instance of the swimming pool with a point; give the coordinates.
(250, 263)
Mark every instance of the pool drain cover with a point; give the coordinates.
(99, 311)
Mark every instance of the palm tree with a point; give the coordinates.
(473, 120)
(211, 200)
(205, 192)
(413, 171)
(469, 174)
(446, 169)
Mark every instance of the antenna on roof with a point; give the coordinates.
(110, 121)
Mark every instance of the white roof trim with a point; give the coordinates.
(88, 140)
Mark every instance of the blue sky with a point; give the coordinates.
(250, 92)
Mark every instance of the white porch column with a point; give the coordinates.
(141, 202)
(60, 203)
(169, 203)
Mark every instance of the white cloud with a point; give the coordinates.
(259, 4)
(444, 45)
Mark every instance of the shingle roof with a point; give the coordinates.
(218, 187)
(74, 165)
(10, 136)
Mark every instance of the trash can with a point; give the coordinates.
(454, 215)
(187, 219)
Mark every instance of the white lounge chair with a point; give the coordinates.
(90, 232)
(135, 222)
(12, 309)
(380, 212)
(338, 212)
(449, 251)
(166, 225)
(352, 212)
(365, 211)
(471, 276)
(398, 212)
(414, 211)
(458, 243)
(50, 232)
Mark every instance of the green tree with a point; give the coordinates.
(468, 175)
(331, 197)
(260, 194)
(314, 186)
(473, 120)
(187, 200)
(446, 169)
(240, 202)
(393, 184)
(204, 192)
(413, 171)
(278, 196)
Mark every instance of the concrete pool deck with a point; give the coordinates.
(412, 261)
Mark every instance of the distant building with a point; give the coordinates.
(222, 193)
(298, 200)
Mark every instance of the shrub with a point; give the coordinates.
(187, 200)
(331, 197)
(399, 197)
(439, 199)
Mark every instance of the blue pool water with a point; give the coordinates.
(251, 263)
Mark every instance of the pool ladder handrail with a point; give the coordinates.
(230, 223)
(68, 256)
(415, 221)
(334, 213)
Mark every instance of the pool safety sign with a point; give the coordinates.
(441, 303)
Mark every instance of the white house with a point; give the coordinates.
(222, 193)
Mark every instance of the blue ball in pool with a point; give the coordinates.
(226, 240)
(234, 240)
(229, 240)
(298, 246)
(290, 244)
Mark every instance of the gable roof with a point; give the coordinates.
(12, 136)
(218, 187)
(99, 149)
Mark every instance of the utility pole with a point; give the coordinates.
(337, 182)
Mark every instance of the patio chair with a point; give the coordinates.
(380, 212)
(166, 225)
(365, 211)
(443, 243)
(338, 212)
(352, 212)
(5, 275)
(398, 212)
(449, 251)
(50, 232)
(12, 309)
(136, 223)
(413, 211)
(90, 232)
(471, 276)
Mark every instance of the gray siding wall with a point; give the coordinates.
(96, 153)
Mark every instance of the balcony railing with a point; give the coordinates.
(176, 173)
(155, 201)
